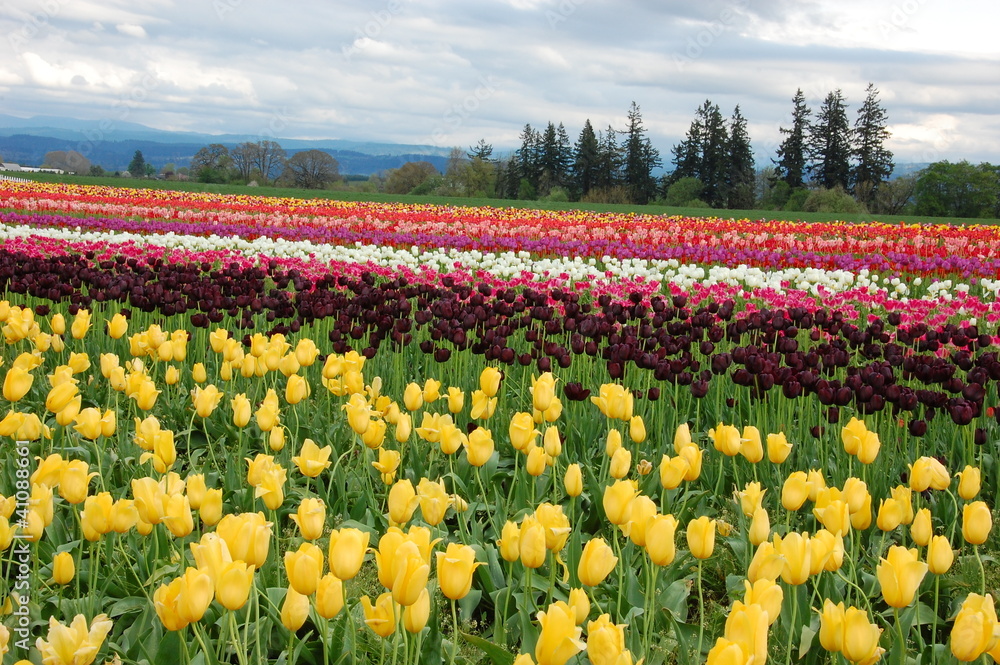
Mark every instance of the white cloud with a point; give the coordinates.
(132, 30)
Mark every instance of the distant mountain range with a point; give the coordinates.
(112, 145)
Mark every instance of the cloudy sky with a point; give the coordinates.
(450, 72)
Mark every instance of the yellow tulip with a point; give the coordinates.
(728, 652)
(617, 501)
(296, 389)
(211, 554)
(177, 516)
(522, 431)
(795, 490)
(637, 429)
(861, 637)
(552, 442)
(96, 516)
(899, 576)
(415, 616)
(206, 399)
(347, 551)
(117, 326)
(380, 617)
(579, 602)
(795, 550)
(63, 568)
(455, 568)
(294, 610)
(660, 533)
(16, 384)
(76, 644)
(267, 414)
(621, 462)
(760, 527)
(543, 391)
(606, 642)
(509, 542)
(852, 435)
(556, 525)
(387, 464)
(60, 396)
(232, 587)
(413, 397)
(835, 516)
(970, 480)
(643, 509)
(869, 448)
(483, 407)
(977, 522)
(673, 470)
(312, 460)
(145, 395)
(81, 324)
(573, 480)
(310, 518)
(531, 542)
(921, 530)
(164, 452)
(747, 626)
(766, 593)
(751, 446)
(904, 497)
(304, 567)
(404, 427)
(150, 500)
(210, 511)
(929, 473)
(831, 626)
(975, 630)
(940, 556)
(248, 536)
(329, 596)
(596, 562)
(409, 573)
(185, 599)
(726, 439)
(778, 448)
(11, 423)
(559, 636)
(537, 461)
(452, 438)
(402, 501)
(751, 498)
(489, 381)
(88, 423)
(74, 481)
(862, 519)
(701, 537)
(434, 500)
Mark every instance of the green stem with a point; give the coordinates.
(902, 639)
(791, 626)
(454, 637)
(701, 611)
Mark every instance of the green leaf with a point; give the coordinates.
(128, 606)
(497, 654)
(169, 649)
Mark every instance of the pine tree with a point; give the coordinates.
(528, 161)
(609, 161)
(137, 167)
(741, 164)
(585, 160)
(830, 143)
(714, 156)
(792, 153)
(687, 154)
(640, 159)
(873, 161)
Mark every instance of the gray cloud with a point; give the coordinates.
(421, 71)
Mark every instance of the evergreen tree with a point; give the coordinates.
(830, 143)
(792, 153)
(482, 150)
(137, 167)
(585, 160)
(609, 161)
(714, 156)
(687, 154)
(528, 161)
(554, 159)
(873, 163)
(640, 159)
(741, 164)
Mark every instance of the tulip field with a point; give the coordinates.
(250, 430)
